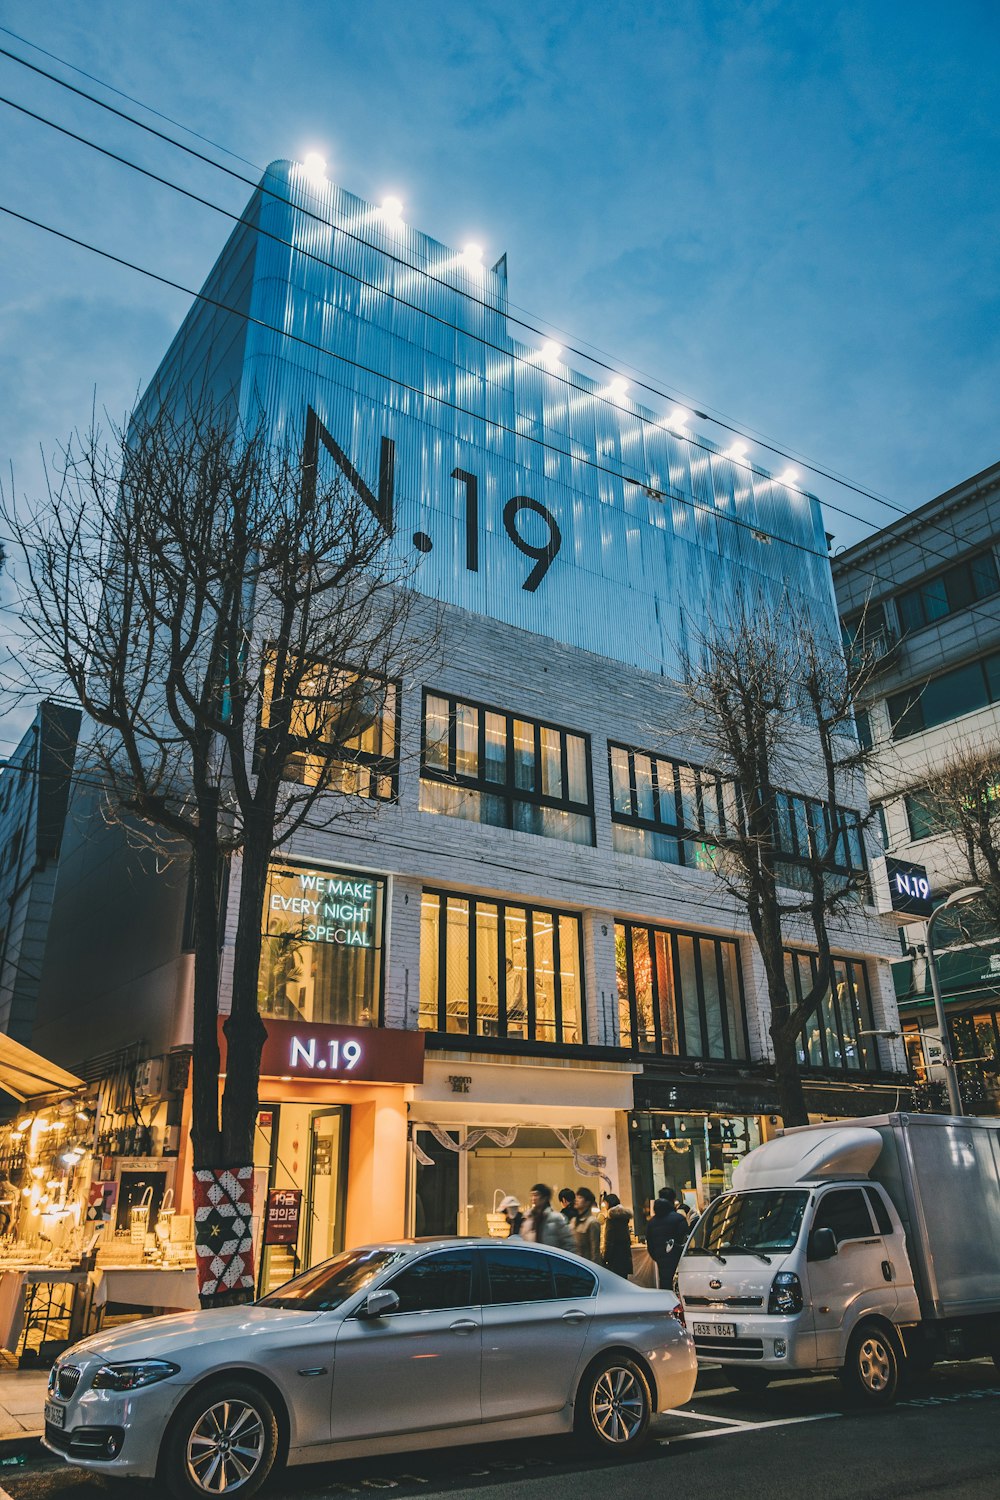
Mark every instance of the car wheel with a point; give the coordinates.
(750, 1382)
(614, 1406)
(874, 1366)
(223, 1441)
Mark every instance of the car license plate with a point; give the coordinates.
(715, 1330)
(55, 1415)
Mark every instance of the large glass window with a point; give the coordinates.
(945, 697)
(679, 993)
(837, 1036)
(346, 726)
(495, 968)
(321, 949)
(490, 767)
(670, 811)
(961, 585)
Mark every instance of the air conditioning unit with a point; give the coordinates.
(149, 1078)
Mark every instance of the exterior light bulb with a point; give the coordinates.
(789, 476)
(315, 165)
(678, 419)
(551, 351)
(473, 256)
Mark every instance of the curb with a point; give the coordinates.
(27, 1444)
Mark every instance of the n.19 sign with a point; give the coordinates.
(331, 1056)
(382, 504)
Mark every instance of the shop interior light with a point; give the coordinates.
(53, 1182)
(38, 1172)
(315, 165)
(24, 1123)
(473, 256)
(70, 1158)
(678, 419)
(788, 477)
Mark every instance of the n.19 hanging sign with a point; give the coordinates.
(381, 505)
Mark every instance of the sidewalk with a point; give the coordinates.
(22, 1398)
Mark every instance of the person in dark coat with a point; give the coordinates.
(567, 1205)
(666, 1236)
(616, 1240)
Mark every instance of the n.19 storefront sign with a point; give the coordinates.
(373, 1054)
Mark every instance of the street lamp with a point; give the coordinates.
(957, 898)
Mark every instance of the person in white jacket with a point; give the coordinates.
(543, 1224)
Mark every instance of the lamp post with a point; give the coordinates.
(957, 898)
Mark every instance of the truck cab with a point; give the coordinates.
(803, 1267)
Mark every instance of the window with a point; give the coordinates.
(863, 724)
(948, 696)
(845, 1212)
(923, 815)
(328, 1285)
(520, 1276)
(573, 1281)
(961, 585)
(679, 993)
(879, 1210)
(670, 811)
(321, 949)
(883, 826)
(346, 726)
(836, 1035)
(491, 767)
(435, 1282)
(499, 969)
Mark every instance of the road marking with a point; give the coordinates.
(700, 1416)
(699, 1437)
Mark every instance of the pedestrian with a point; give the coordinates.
(587, 1229)
(511, 1210)
(567, 1205)
(544, 1224)
(666, 1236)
(616, 1240)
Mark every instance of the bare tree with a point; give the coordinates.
(961, 798)
(234, 625)
(774, 705)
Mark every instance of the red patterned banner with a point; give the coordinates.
(223, 1215)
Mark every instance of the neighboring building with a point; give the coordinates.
(34, 792)
(929, 587)
(531, 899)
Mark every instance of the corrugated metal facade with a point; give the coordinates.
(386, 334)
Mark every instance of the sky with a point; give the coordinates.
(784, 212)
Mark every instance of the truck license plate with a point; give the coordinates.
(55, 1415)
(715, 1330)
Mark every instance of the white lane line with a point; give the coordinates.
(700, 1416)
(699, 1437)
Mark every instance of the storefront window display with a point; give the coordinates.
(694, 1154)
(838, 1035)
(679, 993)
(321, 955)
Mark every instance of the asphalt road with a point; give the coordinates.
(801, 1439)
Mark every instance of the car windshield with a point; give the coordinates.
(756, 1222)
(330, 1284)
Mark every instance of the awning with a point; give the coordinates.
(24, 1074)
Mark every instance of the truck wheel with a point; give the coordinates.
(874, 1366)
(614, 1406)
(750, 1382)
(224, 1440)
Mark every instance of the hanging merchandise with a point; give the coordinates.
(139, 1218)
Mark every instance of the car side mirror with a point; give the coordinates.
(822, 1245)
(378, 1304)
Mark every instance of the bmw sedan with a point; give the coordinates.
(382, 1349)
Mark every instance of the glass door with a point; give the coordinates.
(327, 1177)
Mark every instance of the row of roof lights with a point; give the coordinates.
(551, 352)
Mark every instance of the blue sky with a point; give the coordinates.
(787, 211)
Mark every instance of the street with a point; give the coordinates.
(799, 1439)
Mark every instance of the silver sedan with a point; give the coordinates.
(385, 1348)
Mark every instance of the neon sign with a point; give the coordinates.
(339, 1056)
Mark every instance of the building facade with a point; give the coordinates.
(925, 593)
(520, 967)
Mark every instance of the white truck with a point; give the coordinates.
(867, 1247)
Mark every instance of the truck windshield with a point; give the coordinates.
(755, 1222)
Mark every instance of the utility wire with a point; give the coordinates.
(468, 294)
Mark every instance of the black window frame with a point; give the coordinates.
(907, 715)
(865, 1016)
(502, 905)
(704, 1055)
(507, 790)
(912, 602)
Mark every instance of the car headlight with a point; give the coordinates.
(132, 1377)
(786, 1294)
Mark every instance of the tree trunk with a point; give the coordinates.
(791, 1099)
(206, 870)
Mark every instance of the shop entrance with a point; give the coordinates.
(694, 1154)
(304, 1147)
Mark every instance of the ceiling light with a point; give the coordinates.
(473, 256)
(789, 476)
(315, 166)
